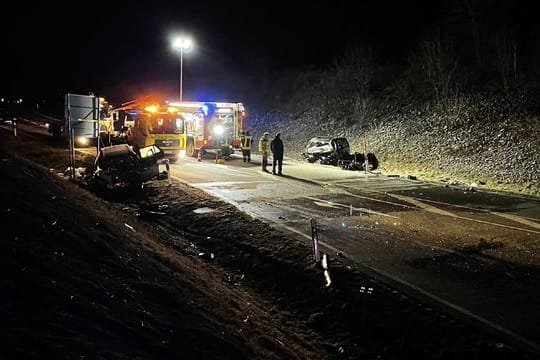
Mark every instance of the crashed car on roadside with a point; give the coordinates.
(120, 167)
(336, 152)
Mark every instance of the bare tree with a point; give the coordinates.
(439, 63)
(506, 58)
(471, 9)
(357, 67)
(362, 108)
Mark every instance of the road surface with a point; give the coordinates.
(474, 252)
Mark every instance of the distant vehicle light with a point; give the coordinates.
(219, 130)
(81, 140)
(47, 125)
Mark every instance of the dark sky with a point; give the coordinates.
(49, 49)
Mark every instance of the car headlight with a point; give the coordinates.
(219, 130)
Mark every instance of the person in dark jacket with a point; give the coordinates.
(276, 146)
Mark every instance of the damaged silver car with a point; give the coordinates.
(336, 152)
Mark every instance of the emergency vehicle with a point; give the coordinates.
(189, 128)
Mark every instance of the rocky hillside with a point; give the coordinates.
(488, 140)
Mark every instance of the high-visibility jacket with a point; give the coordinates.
(246, 141)
(264, 145)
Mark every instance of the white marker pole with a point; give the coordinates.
(315, 240)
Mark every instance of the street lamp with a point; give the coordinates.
(180, 44)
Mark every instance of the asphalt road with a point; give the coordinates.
(473, 252)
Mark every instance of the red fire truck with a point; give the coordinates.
(182, 128)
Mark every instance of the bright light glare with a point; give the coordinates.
(151, 108)
(182, 154)
(81, 140)
(182, 43)
(219, 130)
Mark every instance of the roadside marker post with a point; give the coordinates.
(366, 161)
(168, 168)
(315, 241)
(166, 162)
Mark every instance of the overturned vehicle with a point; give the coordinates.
(119, 167)
(336, 152)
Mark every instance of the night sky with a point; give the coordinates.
(51, 49)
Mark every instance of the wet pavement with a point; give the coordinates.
(475, 253)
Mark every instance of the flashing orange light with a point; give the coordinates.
(151, 108)
(172, 109)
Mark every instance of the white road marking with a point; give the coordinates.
(517, 218)
(420, 203)
(423, 206)
(348, 206)
(225, 183)
(484, 210)
(438, 211)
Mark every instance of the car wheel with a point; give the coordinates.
(373, 163)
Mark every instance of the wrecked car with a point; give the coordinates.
(336, 152)
(120, 167)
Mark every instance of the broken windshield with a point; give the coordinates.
(167, 124)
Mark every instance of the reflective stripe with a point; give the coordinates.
(246, 142)
(264, 144)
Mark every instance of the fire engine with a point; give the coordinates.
(189, 128)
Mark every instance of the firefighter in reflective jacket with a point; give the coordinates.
(264, 148)
(246, 141)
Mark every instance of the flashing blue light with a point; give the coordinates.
(205, 109)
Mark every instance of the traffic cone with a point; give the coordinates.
(199, 157)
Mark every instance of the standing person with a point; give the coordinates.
(264, 147)
(246, 140)
(277, 154)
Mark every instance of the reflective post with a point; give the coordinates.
(315, 241)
